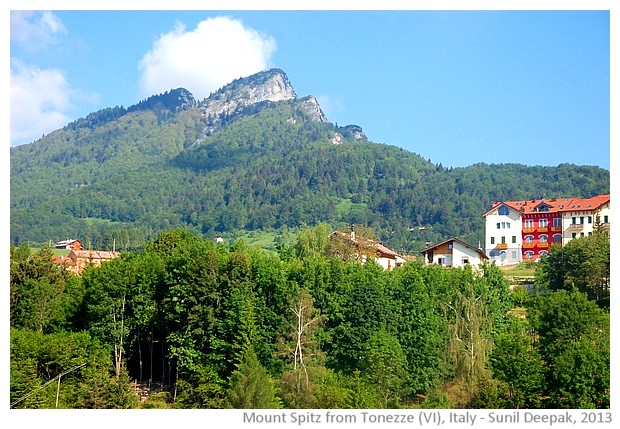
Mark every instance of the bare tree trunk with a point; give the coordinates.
(118, 345)
(151, 359)
(140, 356)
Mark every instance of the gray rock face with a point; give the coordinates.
(311, 105)
(355, 131)
(271, 85)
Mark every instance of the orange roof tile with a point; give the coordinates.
(556, 205)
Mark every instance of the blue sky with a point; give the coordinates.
(456, 87)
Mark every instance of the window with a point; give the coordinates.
(529, 254)
(557, 238)
(514, 254)
(581, 220)
(605, 219)
(543, 253)
(503, 211)
(492, 240)
(465, 260)
(508, 225)
(514, 239)
(498, 224)
(504, 240)
(503, 225)
(529, 238)
(574, 234)
(574, 220)
(528, 223)
(542, 223)
(589, 219)
(557, 222)
(441, 261)
(543, 238)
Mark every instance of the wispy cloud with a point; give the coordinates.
(35, 29)
(218, 51)
(40, 99)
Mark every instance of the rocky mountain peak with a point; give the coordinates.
(270, 85)
(173, 100)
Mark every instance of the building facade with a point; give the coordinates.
(453, 253)
(80, 259)
(517, 231)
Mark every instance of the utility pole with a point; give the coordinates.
(46, 384)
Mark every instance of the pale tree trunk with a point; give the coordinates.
(303, 312)
(118, 345)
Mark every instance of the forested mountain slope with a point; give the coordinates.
(253, 156)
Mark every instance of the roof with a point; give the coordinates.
(553, 205)
(95, 254)
(454, 239)
(383, 250)
(65, 242)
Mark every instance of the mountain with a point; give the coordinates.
(253, 156)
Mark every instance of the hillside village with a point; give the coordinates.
(515, 231)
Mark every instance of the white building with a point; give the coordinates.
(523, 230)
(453, 253)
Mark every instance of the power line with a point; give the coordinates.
(46, 384)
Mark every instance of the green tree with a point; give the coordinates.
(107, 299)
(574, 342)
(518, 367)
(301, 351)
(470, 335)
(251, 386)
(583, 263)
(384, 365)
(313, 241)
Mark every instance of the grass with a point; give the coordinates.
(55, 252)
(268, 240)
(524, 269)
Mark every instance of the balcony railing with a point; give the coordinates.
(556, 228)
(542, 229)
(543, 245)
(502, 245)
(528, 229)
(528, 245)
(575, 226)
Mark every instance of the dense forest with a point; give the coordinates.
(179, 321)
(201, 325)
(125, 175)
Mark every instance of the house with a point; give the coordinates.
(453, 253)
(80, 259)
(361, 250)
(523, 230)
(72, 244)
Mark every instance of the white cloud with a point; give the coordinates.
(218, 51)
(39, 100)
(35, 29)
